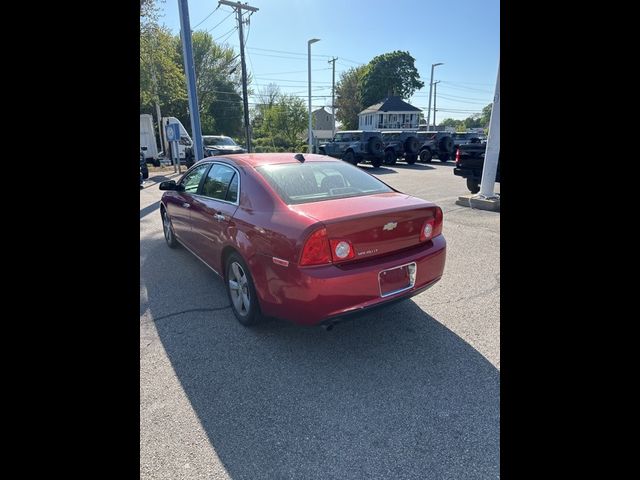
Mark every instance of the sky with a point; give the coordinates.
(464, 35)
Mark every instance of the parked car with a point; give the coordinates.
(469, 164)
(220, 145)
(435, 144)
(400, 144)
(354, 146)
(308, 239)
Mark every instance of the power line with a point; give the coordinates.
(284, 80)
(228, 34)
(463, 101)
(212, 28)
(352, 61)
(461, 87)
(207, 16)
(292, 53)
(297, 71)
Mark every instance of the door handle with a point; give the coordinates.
(186, 205)
(219, 216)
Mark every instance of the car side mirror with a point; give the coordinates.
(171, 185)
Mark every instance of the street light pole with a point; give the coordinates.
(433, 65)
(310, 135)
(190, 73)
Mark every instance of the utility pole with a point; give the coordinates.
(333, 97)
(492, 153)
(433, 65)
(435, 95)
(238, 8)
(190, 72)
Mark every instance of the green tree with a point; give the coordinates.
(390, 74)
(450, 122)
(161, 75)
(348, 97)
(285, 121)
(267, 97)
(217, 83)
(485, 116)
(225, 110)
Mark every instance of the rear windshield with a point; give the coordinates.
(316, 181)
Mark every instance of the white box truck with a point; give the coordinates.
(185, 144)
(148, 139)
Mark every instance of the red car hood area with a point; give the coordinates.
(374, 224)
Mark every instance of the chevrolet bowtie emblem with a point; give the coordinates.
(390, 226)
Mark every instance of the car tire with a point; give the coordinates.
(390, 157)
(350, 157)
(376, 162)
(374, 146)
(445, 145)
(443, 157)
(426, 156)
(167, 228)
(156, 162)
(411, 145)
(473, 185)
(241, 291)
(411, 159)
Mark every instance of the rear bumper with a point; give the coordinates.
(466, 173)
(313, 295)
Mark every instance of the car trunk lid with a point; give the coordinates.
(375, 225)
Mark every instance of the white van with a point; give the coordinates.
(148, 139)
(185, 145)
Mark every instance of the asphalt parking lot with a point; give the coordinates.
(411, 391)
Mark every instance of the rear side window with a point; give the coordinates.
(218, 181)
(317, 181)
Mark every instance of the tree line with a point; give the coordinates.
(278, 120)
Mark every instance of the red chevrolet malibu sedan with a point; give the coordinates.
(309, 239)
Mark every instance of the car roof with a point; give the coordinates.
(259, 159)
(214, 136)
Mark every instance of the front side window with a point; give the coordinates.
(297, 183)
(217, 182)
(191, 180)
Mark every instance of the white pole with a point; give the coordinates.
(493, 146)
(433, 65)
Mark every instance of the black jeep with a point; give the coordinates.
(400, 144)
(354, 146)
(438, 144)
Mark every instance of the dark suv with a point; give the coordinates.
(400, 144)
(438, 144)
(354, 146)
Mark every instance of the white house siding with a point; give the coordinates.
(388, 120)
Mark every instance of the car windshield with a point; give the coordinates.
(317, 181)
(214, 141)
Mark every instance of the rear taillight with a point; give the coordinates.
(432, 227)
(319, 250)
(457, 155)
(342, 250)
(316, 250)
